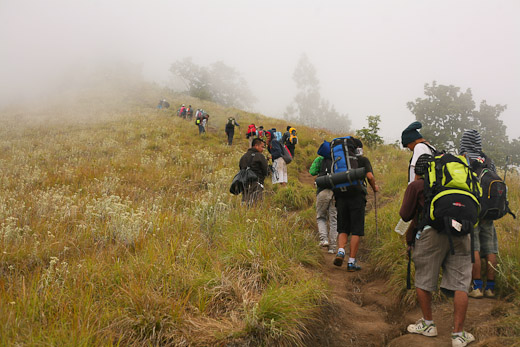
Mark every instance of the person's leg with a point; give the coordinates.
(322, 203)
(333, 225)
(491, 265)
(354, 245)
(460, 306)
(425, 302)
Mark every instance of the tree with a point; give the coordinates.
(218, 83)
(370, 135)
(308, 107)
(446, 112)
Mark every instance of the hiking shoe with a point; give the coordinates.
(324, 243)
(489, 293)
(353, 267)
(476, 293)
(338, 261)
(462, 340)
(420, 327)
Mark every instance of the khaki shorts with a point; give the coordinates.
(432, 252)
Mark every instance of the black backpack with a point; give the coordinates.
(493, 204)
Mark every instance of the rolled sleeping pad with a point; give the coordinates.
(330, 180)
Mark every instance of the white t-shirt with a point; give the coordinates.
(418, 150)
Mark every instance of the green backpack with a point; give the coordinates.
(451, 197)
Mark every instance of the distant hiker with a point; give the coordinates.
(161, 104)
(205, 120)
(230, 129)
(189, 112)
(431, 251)
(251, 133)
(261, 132)
(350, 203)
(200, 122)
(484, 235)
(182, 112)
(325, 203)
(258, 164)
(412, 139)
(290, 139)
(197, 114)
(279, 166)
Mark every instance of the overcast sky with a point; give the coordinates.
(371, 56)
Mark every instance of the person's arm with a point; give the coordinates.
(372, 181)
(409, 204)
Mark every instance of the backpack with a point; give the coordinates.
(251, 131)
(342, 151)
(493, 204)
(278, 136)
(243, 178)
(293, 139)
(451, 197)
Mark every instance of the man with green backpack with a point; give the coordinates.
(442, 238)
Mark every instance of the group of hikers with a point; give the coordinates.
(201, 116)
(442, 202)
(452, 201)
(281, 150)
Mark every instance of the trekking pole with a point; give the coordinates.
(375, 213)
(506, 167)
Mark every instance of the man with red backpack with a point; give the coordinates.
(251, 133)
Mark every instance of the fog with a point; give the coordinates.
(371, 56)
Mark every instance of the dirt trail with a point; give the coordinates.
(363, 313)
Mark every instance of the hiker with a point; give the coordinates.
(350, 204)
(251, 133)
(182, 111)
(189, 112)
(431, 251)
(161, 104)
(412, 139)
(258, 164)
(199, 121)
(230, 129)
(290, 139)
(261, 132)
(325, 203)
(484, 235)
(205, 120)
(279, 166)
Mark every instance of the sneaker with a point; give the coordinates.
(353, 267)
(420, 327)
(462, 340)
(476, 293)
(338, 261)
(489, 293)
(324, 243)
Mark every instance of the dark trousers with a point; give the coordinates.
(230, 137)
(253, 194)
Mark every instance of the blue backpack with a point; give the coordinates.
(343, 152)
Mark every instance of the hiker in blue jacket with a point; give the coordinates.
(279, 166)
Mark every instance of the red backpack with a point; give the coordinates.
(251, 130)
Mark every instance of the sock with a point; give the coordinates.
(490, 284)
(477, 284)
(457, 334)
(351, 260)
(341, 250)
(428, 322)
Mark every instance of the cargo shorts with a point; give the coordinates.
(485, 238)
(431, 252)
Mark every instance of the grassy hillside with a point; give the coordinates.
(118, 228)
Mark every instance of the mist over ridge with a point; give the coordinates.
(371, 57)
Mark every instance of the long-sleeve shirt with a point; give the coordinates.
(256, 161)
